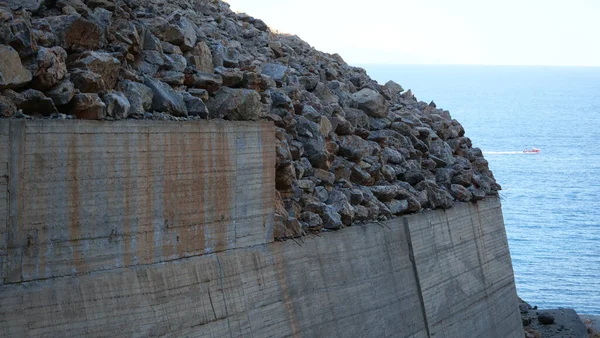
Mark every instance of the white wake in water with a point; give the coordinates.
(505, 153)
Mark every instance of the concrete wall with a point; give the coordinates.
(150, 229)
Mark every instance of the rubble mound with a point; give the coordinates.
(348, 149)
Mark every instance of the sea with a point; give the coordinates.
(550, 200)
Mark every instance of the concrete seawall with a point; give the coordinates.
(150, 229)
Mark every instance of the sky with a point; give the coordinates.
(483, 32)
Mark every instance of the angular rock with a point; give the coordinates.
(210, 82)
(33, 102)
(275, 71)
(165, 99)
(384, 193)
(436, 197)
(171, 77)
(235, 104)
(325, 176)
(353, 147)
(88, 106)
(195, 106)
(30, 5)
(117, 105)
(200, 57)
(87, 81)
(12, 72)
(139, 96)
(49, 67)
(461, 193)
(7, 107)
(16, 31)
(83, 35)
(341, 205)
(311, 220)
(371, 102)
(62, 93)
(100, 63)
(331, 219)
(397, 207)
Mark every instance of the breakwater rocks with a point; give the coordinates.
(348, 149)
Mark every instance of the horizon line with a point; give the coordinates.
(471, 64)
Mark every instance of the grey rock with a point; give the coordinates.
(331, 219)
(325, 176)
(384, 193)
(275, 71)
(461, 193)
(12, 72)
(102, 64)
(371, 102)
(210, 82)
(32, 102)
(397, 207)
(30, 5)
(235, 104)
(311, 220)
(353, 147)
(49, 67)
(195, 106)
(87, 81)
(117, 105)
(139, 96)
(166, 99)
(62, 93)
(200, 57)
(7, 107)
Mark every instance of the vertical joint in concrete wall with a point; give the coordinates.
(15, 168)
(416, 273)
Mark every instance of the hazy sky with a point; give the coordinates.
(508, 32)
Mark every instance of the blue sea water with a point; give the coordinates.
(551, 201)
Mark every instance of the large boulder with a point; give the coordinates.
(235, 104)
(200, 57)
(139, 96)
(32, 102)
(117, 105)
(101, 63)
(165, 98)
(62, 93)
(371, 102)
(12, 72)
(49, 67)
(88, 106)
(353, 147)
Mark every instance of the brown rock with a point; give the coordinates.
(88, 106)
(83, 34)
(62, 93)
(101, 63)
(7, 107)
(12, 72)
(49, 67)
(200, 57)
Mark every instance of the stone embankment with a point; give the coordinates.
(348, 149)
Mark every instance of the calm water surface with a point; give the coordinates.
(551, 201)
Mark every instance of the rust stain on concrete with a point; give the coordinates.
(221, 188)
(73, 203)
(127, 254)
(279, 267)
(149, 177)
(197, 198)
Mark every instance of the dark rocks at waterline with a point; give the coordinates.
(348, 149)
(546, 318)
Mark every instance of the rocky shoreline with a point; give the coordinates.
(557, 323)
(348, 149)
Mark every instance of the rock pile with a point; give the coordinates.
(348, 149)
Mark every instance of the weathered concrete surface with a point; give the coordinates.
(151, 229)
(465, 272)
(91, 196)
